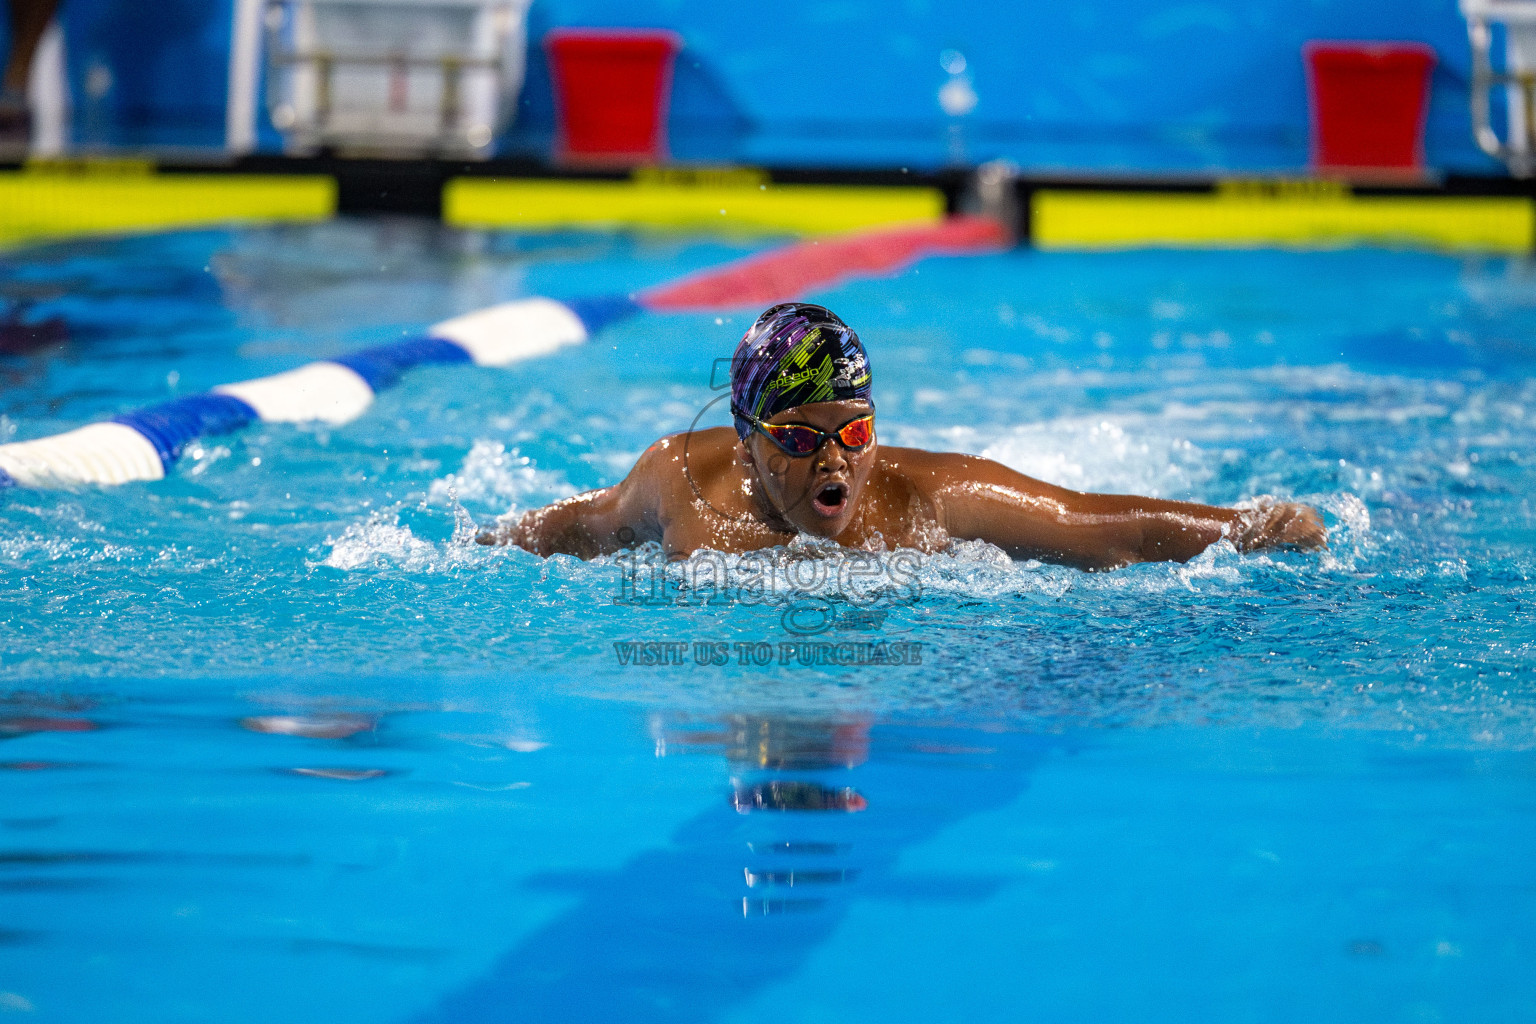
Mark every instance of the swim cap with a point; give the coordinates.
(795, 354)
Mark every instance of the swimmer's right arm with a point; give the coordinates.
(590, 524)
(983, 500)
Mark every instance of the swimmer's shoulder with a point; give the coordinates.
(932, 475)
(943, 468)
(669, 463)
(904, 481)
(698, 449)
(940, 476)
(926, 470)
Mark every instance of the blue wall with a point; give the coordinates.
(1157, 85)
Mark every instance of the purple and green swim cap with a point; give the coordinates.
(794, 354)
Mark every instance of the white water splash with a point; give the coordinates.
(377, 542)
(1120, 454)
(21, 547)
(382, 540)
(1350, 540)
(492, 475)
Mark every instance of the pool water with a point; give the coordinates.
(280, 742)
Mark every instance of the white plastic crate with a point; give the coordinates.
(389, 77)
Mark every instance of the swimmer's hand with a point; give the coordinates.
(503, 531)
(1279, 524)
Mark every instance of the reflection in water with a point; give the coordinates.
(756, 879)
(341, 774)
(39, 714)
(796, 745)
(792, 743)
(756, 741)
(738, 901)
(766, 908)
(824, 849)
(796, 796)
(24, 725)
(25, 712)
(333, 726)
(317, 727)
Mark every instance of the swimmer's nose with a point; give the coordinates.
(831, 458)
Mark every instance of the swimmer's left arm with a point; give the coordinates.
(593, 523)
(978, 499)
(585, 525)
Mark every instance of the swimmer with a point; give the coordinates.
(804, 459)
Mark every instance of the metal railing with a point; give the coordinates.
(1518, 150)
(436, 76)
(325, 64)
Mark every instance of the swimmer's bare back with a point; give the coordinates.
(708, 489)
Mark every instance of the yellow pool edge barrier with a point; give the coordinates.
(93, 196)
(68, 200)
(1299, 215)
(745, 202)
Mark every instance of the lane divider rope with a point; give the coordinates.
(144, 444)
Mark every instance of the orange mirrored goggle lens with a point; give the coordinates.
(857, 433)
(799, 439)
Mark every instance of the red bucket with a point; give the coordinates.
(1369, 101)
(611, 89)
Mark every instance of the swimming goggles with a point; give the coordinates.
(801, 439)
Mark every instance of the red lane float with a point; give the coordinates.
(792, 271)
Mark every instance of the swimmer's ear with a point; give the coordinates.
(749, 461)
(771, 465)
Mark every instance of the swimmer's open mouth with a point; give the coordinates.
(830, 499)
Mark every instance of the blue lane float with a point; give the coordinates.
(145, 444)
(170, 426)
